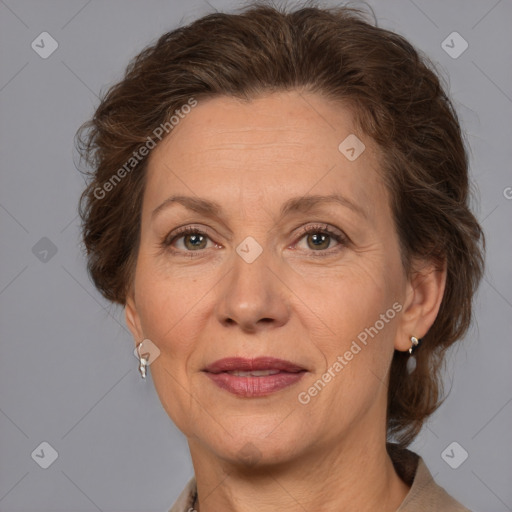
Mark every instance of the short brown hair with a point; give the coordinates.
(399, 102)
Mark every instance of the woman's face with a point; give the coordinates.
(253, 284)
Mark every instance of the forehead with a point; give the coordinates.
(279, 143)
(303, 119)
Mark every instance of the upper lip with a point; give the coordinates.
(259, 363)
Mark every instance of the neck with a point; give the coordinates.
(356, 477)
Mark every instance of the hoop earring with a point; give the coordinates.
(411, 362)
(143, 362)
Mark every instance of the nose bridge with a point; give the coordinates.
(252, 295)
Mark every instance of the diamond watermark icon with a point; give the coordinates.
(454, 455)
(351, 147)
(148, 350)
(45, 455)
(44, 250)
(250, 454)
(44, 45)
(454, 45)
(249, 249)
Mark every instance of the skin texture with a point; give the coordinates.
(295, 301)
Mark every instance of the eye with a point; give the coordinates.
(194, 239)
(319, 238)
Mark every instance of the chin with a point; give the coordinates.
(259, 445)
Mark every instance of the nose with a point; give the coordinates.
(252, 296)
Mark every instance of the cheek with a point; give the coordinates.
(354, 302)
(361, 310)
(168, 301)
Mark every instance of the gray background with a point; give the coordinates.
(67, 372)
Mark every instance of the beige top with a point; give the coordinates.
(423, 496)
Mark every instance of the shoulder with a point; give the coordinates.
(425, 494)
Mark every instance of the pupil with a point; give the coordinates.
(195, 238)
(318, 238)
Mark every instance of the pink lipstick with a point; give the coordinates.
(254, 377)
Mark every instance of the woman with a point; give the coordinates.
(280, 202)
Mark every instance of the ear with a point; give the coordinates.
(425, 290)
(132, 318)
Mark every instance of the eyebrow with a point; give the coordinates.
(294, 204)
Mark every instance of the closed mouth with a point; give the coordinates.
(255, 367)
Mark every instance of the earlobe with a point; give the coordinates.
(132, 318)
(425, 291)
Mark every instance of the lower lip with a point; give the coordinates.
(250, 387)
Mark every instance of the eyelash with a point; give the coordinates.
(323, 229)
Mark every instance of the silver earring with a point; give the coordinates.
(415, 342)
(143, 361)
(411, 362)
